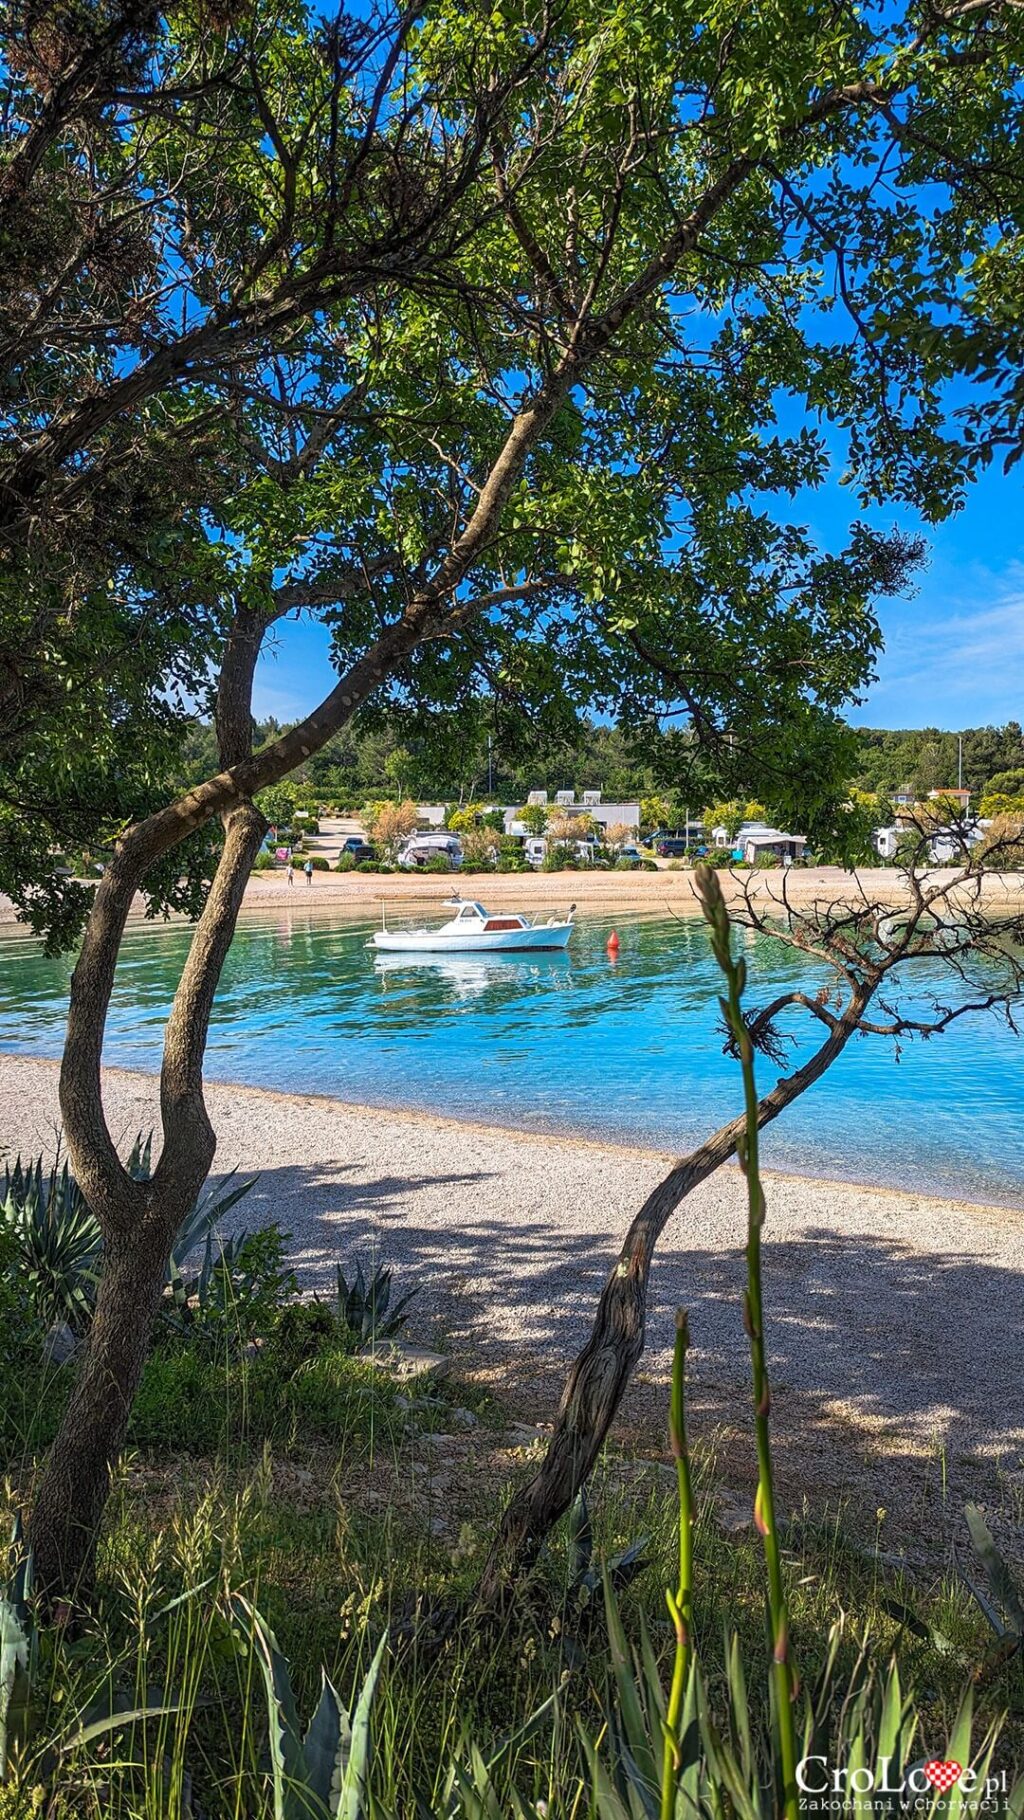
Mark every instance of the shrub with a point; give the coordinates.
(438, 862)
(319, 864)
(236, 1296)
(263, 862)
(370, 865)
(188, 1402)
(347, 863)
(302, 1328)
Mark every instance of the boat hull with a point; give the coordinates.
(500, 941)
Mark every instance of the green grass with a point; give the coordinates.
(300, 1491)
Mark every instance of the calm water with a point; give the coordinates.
(629, 1052)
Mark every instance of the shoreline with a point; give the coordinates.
(664, 890)
(880, 1300)
(997, 1211)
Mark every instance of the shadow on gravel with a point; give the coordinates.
(908, 1346)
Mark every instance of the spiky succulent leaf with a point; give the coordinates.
(287, 1763)
(352, 1802)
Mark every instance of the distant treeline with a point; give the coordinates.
(382, 760)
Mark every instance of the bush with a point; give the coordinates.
(188, 1403)
(264, 861)
(319, 864)
(347, 863)
(438, 862)
(369, 865)
(302, 1329)
(236, 1297)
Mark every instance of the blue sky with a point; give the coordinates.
(954, 653)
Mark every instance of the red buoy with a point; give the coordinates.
(613, 943)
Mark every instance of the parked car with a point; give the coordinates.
(359, 848)
(420, 848)
(672, 848)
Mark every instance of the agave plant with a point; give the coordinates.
(860, 1728)
(321, 1774)
(365, 1306)
(58, 1241)
(59, 1245)
(1002, 1605)
(18, 1656)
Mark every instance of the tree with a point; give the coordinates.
(534, 817)
(863, 943)
(187, 200)
(565, 827)
(465, 819)
(655, 812)
(278, 805)
(543, 468)
(390, 823)
(1006, 783)
(732, 815)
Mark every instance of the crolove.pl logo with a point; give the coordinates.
(826, 1789)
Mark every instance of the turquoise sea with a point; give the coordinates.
(630, 1052)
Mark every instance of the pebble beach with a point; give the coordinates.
(896, 1320)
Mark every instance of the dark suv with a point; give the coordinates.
(671, 848)
(359, 848)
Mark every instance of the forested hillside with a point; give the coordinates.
(454, 761)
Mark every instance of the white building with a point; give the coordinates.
(605, 815)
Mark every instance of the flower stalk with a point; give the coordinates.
(680, 1602)
(735, 972)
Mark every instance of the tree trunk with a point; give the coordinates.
(602, 1371)
(73, 1490)
(139, 1221)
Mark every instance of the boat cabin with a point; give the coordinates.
(489, 925)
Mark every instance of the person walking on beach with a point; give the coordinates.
(290, 874)
(308, 870)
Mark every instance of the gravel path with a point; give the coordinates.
(896, 1321)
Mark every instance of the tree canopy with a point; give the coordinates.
(496, 337)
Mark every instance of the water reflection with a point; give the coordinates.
(630, 1051)
(469, 975)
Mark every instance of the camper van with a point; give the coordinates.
(420, 848)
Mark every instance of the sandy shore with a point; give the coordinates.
(897, 1320)
(597, 892)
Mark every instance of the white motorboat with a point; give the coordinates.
(473, 930)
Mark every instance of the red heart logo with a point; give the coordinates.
(943, 1774)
